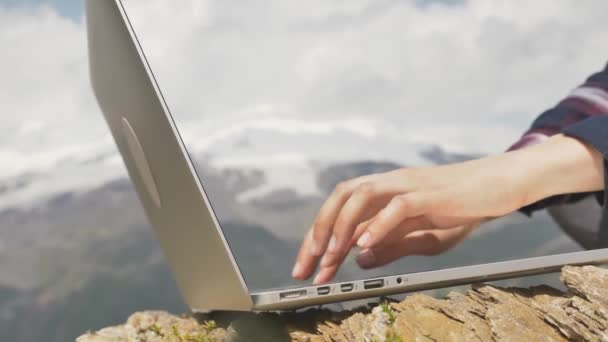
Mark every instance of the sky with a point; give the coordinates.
(67, 8)
(467, 75)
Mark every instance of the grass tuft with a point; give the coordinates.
(387, 309)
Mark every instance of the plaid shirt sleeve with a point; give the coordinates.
(583, 114)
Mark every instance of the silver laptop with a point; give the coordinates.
(259, 116)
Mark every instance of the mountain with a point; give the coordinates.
(264, 259)
(438, 155)
(84, 258)
(332, 175)
(17, 183)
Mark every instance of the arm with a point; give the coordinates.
(385, 214)
(588, 101)
(427, 210)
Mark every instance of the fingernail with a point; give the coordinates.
(314, 248)
(297, 270)
(366, 258)
(364, 240)
(332, 244)
(317, 279)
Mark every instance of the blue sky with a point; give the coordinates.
(68, 8)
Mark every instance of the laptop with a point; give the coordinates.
(230, 232)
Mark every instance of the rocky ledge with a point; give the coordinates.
(483, 313)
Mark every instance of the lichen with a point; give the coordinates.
(177, 336)
(393, 336)
(157, 330)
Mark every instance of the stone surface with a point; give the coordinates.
(483, 313)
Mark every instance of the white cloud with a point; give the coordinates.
(49, 116)
(448, 72)
(469, 76)
(30, 127)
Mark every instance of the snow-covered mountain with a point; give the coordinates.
(289, 153)
(74, 233)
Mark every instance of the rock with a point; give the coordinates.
(483, 313)
(159, 326)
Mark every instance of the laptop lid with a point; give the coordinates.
(205, 270)
(278, 101)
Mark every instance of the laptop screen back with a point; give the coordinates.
(278, 101)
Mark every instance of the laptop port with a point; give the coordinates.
(292, 294)
(323, 290)
(346, 287)
(373, 284)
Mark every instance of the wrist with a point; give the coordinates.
(560, 165)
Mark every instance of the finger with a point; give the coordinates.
(361, 228)
(406, 227)
(327, 273)
(428, 242)
(306, 263)
(367, 220)
(350, 215)
(398, 210)
(371, 211)
(410, 225)
(324, 222)
(396, 235)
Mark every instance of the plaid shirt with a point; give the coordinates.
(583, 114)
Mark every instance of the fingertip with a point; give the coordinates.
(324, 275)
(318, 279)
(365, 240)
(296, 273)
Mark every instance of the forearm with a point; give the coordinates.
(560, 165)
(588, 101)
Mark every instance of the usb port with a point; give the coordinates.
(323, 290)
(292, 294)
(373, 284)
(346, 287)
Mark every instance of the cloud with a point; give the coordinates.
(49, 114)
(457, 72)
(469, 75)
(46, 98)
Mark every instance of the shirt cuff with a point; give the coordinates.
(529, 139)
(594, 132)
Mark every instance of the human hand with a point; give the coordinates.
(404, 212)
(384, 212)
(420, 242)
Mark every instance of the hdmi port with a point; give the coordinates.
(292, 294)
(373, 284)
(346, 287)
(323, 290)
